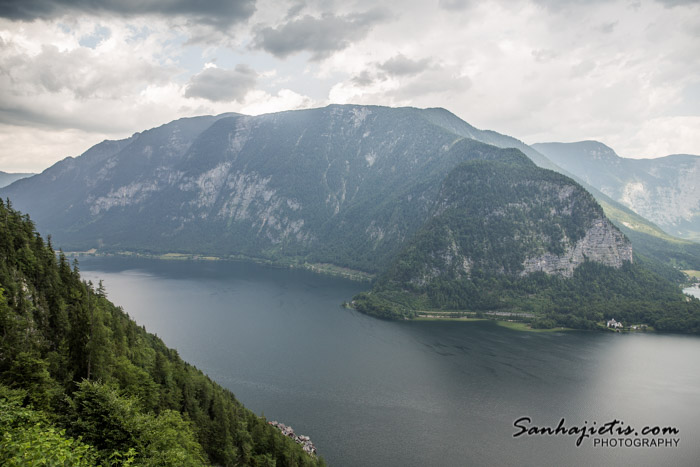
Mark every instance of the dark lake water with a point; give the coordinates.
(377, 393)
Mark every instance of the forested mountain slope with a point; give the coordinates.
(82, 384)
(506, 236)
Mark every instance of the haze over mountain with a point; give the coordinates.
(664, 190)
(7, 178)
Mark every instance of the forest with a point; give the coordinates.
(633, 295)
(491, 216)
(82, 384)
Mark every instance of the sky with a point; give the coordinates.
(623, 72)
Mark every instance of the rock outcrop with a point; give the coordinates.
(603, 243)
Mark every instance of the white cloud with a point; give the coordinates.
(540, 70)
(260, 102)
(28, 151)
(662, 135)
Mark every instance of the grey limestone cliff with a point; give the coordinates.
(603, 243)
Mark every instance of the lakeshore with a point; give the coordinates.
(319, 268)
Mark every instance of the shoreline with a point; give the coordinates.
(512, 325)
(325, 269)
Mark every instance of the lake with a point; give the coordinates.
(379, 393)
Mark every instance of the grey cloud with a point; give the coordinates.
(75, 71)
(363, 79)
(295, 9)
(454, 5)
(544, 55)
(320, 36)
(216, 84)
(672, 3)
(564, 5)
(220, 13)
(582, 68)
(401, 65)
(558, 5)
(21, 114)
(607, 28)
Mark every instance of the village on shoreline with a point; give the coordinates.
(305, 441)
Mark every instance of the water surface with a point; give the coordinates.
(372, 392)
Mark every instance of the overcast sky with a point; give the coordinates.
(76, 72)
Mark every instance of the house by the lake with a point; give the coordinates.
(614, 324)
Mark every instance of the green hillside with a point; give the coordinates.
(82, 384)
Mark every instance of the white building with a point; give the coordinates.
(614, 324)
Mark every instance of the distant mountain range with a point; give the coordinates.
(664, 190)
(7, 178)
(412, 195)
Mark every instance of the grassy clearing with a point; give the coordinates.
(692, 273)
(638, 223)
(513, 325)
(447, 318)
(333, 270)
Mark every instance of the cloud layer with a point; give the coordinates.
(320, 36)
(220, 13)
(624, 72)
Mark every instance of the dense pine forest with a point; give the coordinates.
(82, 384)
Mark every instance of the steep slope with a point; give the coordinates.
(60, 198)
(664, 190)
(649, 240)
(82, 384)
(507, 236)
(669, 254)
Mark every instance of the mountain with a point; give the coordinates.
(664, 190)
(507, 237)
(82, 384)
(343, 184)
(358, 187)
(9, 178)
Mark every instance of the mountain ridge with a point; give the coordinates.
(663, 190)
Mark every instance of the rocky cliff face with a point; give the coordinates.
(602, 243)
(664, 190)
